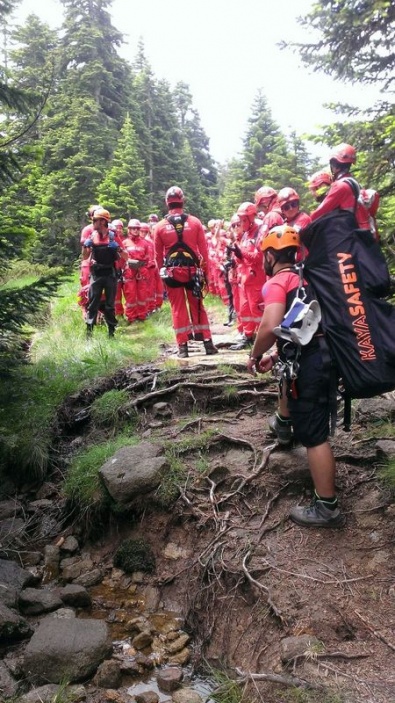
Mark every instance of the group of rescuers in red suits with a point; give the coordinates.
(241, 264)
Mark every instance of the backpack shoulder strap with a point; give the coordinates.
(178, 222)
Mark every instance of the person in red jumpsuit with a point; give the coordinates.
(252, 275)
(188, 312)
(235, 236)
(341, 195)
(151, 267)
(288, 200)
(136, 274)
(118, 228)
(319, 184)
(266, 201)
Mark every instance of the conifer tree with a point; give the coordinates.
(123, 190)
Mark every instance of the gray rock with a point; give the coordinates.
(386, 448)
(162, 410)
(11, 531)
(33, 601)
(147, 697)
(142, 640)
(91, 578)
(51, 562)
(178, 644)
(378, 408)
(169, 679)
(12, 625)
(9, 596)
(66, 650)
(32, 558)
(70, 545)
(75, 595)
(108, 674)
(74, 567)
(65, 613)
(133, 471)
(186, 695)
(8, 685)
(11, 574)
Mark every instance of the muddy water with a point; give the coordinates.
(120, 606)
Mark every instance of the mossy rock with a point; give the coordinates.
(134, 555)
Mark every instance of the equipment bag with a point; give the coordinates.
(347, 272)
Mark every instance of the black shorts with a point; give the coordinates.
(310, 411)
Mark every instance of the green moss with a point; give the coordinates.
(134, 555)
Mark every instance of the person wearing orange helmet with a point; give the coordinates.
(310, 399)
(266, 201)
(288, 200)
(181, 254)
(252, 276)
(344, 191)
(103, 251)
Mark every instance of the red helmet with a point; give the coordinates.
(286, 195)
(153, 218)
(264, 193)
(344, 154)
(320, 178)
(174, 195)
(247, 210)
(101, 214)
(134, 223)
(117, 223)
(144, 227)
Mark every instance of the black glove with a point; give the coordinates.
(237, 251)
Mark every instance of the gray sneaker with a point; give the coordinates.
(283, 433)
(317, 515)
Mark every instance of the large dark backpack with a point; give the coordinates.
(349, 277)
(181, 262)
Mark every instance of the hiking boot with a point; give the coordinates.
(111, 331)
(282, 429)
(183, 351)
(317, 515)
(89, 330)
(245, 343)
(209, 347)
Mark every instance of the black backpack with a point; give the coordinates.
(349, 277)
(180, 255)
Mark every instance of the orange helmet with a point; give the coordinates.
(344, 154)
(286, 195)
(247, 210)
(264, 193)
(101, 214)
(174, 195)
(91, 210)
(281, 237)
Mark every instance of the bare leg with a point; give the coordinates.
(322, 468)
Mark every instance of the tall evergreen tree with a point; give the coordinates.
(17, 304)
(123, 189)
(81, 129)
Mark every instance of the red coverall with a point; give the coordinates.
(340, 196)
(136, 280)
(252, 278)
(273, 218)
(188, 313)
